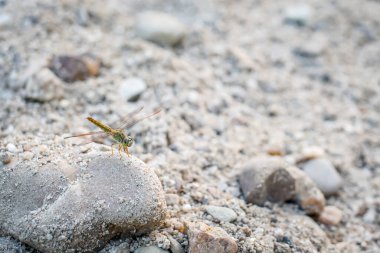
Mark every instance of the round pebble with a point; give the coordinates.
(331, 215)
(160, 28)
(222, 213)
(324, 175)
(5, 158)
(11, 148)
(132, 88)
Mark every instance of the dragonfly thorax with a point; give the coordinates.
(122, 138)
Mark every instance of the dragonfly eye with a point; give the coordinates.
(129, 141)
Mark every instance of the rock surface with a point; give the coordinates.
(8, 245)
(206, 239)
(73, 207)
(324, 175)
(160, 28)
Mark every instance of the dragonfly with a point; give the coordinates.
(122, 139)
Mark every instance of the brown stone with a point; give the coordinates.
(331, 215)
(206, 239)
(75, 68)
(308, 196)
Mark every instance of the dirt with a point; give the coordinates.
(247, 80)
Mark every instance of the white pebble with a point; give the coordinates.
(160, 28)
(186, 207)
(132, 88)
(11, 148)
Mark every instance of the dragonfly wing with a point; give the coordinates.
(133, 122)
(86, 134)
(131, 115)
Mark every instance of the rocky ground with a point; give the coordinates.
(268, 139)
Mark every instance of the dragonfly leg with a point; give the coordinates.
(112, 148)
(119, 150)
(126, 151)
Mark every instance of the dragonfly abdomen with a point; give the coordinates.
(100, 125)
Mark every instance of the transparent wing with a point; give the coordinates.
(130, 116)
(86, 134)
(133, 122)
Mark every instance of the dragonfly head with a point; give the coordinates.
(128, 141)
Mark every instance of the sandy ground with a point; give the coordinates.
(244, 82)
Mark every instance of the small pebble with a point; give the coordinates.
(298, 14)
(75, 68)
(5, 158)
(324, 175)
(186, 207)
(310, 153)
(175, 246)
(331, 215)
(160, 28)
(43, 149)
(11, 148)
(132, 88)
(28, 155)
(222, 213)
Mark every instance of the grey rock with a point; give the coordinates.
(221, 213)
(324, 175)
(266, 179)
(206, 239)
(160, 28)
(307, 194)
(150, 249)
(43, 86)
(132, 88)
(63, 207)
